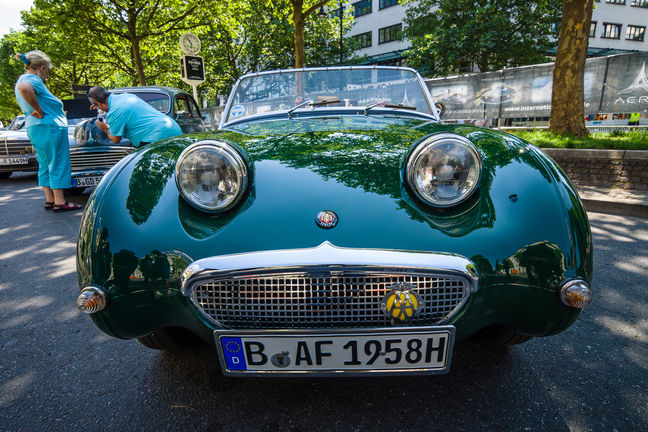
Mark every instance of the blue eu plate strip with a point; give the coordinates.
(234, 354)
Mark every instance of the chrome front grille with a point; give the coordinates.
(15, 147)
(338, 299)
(85, 160)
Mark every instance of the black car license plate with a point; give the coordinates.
(392, 350)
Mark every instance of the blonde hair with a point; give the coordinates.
(34, 59)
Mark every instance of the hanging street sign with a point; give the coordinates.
(193, 69)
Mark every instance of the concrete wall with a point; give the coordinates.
(622, 169)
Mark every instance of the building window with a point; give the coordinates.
(620, 2)
(387, 3)
(611, 31)
(390, 34)
(593, 29)
(635, 33)
(363, 39)
(361, 8)
(639, 3)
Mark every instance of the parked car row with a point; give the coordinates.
(92, 154)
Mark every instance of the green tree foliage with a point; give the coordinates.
(10, 70)
(139, 36)
(449, 36)
(133, 42)
(74, 58)
(260, 36)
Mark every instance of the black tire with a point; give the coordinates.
(5, 175)
(169, 339)
(497, 335)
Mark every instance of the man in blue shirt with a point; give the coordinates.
(129, 116)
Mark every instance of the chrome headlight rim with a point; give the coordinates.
(239, 166)
(432, 141)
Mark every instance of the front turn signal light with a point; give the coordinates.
(91, 299)
(576, 293)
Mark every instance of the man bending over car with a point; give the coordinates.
(130, 117)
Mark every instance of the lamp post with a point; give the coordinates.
(341, 32)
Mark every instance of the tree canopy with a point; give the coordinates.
(450, 36)
(135, 42)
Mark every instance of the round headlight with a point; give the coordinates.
(211, 175)
(444, 170)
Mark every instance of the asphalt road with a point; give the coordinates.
(59, 373)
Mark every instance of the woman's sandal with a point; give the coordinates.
(68, 206)
(49, 205)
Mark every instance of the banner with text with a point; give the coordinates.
(615, 84)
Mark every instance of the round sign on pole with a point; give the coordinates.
(189, 43)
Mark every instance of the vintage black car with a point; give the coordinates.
(93, 154)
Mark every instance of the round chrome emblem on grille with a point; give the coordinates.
(401, 302)
(326, 219)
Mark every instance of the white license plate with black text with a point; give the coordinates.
(88, 181)
(14, 161)
(323, 352)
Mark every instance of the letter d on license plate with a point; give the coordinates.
(399, 350)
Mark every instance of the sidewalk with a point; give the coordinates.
(617, 201)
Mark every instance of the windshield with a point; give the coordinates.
(321, 88)
(17, 123)
(159, 101)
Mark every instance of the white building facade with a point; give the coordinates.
(618, 26)
(377, 28)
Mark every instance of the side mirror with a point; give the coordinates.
(180, 115)
(442, 109)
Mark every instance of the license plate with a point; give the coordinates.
(14, 161)
(87, 181)
(393, 350)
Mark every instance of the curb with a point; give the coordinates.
(615, 201)
(615, 207)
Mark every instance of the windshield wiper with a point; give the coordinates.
(312, 104)
(387, 105)
(326, 102)
(290, 111)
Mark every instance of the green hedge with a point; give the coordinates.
(632, 140)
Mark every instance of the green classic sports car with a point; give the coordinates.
(334, 225)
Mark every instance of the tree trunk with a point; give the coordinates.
(137, 60)
(298, 21)
(567, 96)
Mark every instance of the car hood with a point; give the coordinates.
(355, 169)
(87, 134)
(18, 135)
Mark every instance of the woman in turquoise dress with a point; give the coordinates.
(46, 128)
